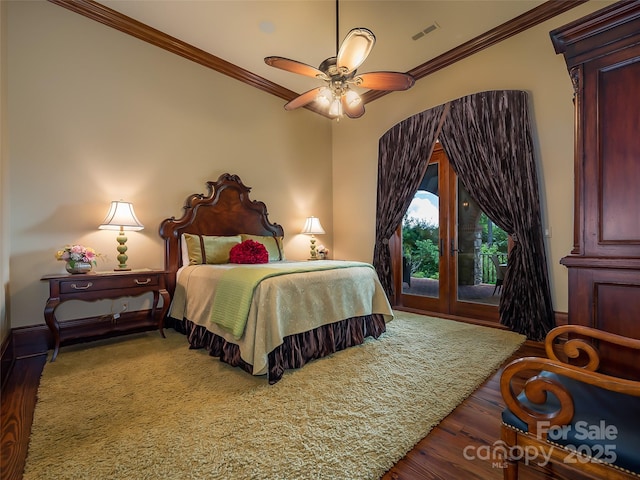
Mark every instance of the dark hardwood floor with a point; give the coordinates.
(17, 403)
(455, 449)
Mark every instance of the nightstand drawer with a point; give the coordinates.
(95, 283)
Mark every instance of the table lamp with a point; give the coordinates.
(121, 217)
(313, 227)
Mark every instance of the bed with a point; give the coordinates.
(264, 318)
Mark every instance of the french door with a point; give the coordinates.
(445, 259)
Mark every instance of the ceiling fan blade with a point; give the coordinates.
(352, 109)
(389, 81)
(304, 99)
(295, 67)
(355, 49)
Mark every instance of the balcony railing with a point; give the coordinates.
(488, 268)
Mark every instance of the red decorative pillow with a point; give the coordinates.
(249, 251)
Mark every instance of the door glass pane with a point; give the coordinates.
(420, 239)
(481, 255)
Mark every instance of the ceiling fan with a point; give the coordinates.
(337, 96)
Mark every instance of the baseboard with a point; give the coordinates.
(37, 339)
(474, 321)
(559, 317)
(7, 359)
(562, 318)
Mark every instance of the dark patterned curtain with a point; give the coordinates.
(487, 139)
(403, 155)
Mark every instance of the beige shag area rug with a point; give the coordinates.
(143, 407)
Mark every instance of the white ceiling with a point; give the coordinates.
(243, 32)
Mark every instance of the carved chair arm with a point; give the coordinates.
(574, 346)
(537, 388)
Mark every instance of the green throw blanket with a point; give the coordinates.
(234, 291)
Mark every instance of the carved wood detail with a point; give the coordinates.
(225, 210)
(602, 53)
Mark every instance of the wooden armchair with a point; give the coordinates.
(571, 413)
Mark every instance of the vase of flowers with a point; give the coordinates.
(323, 252)
(78, 258)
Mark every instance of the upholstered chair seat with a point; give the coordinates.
(574, 414)
(605, 425)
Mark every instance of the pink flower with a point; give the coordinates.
(77, 253)
(77, 249)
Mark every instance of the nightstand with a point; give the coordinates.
(105, 285)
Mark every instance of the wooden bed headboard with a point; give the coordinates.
(225, 210)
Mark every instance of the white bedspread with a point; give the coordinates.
(282, 305)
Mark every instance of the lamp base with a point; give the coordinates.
(122, 253)
(312, 249)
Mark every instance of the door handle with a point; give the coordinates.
(453, 249)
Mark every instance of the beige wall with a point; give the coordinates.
(96, 115)
(4, 208)
(524, 62)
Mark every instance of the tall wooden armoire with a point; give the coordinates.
(602, 52)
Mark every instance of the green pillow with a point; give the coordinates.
(209, 249)
(272, 244)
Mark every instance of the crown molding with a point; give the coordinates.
(125, 24)
(111, 18)
(519, 24)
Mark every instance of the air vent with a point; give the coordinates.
(423, 32)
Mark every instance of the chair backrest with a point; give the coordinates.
(499, 268)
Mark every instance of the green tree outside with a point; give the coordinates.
(420, 244)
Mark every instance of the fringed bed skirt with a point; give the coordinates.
(296, 350)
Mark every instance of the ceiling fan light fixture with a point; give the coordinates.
(336, 108)
(352, 98)
(335, 98)
(355, 48)
(324, 98)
